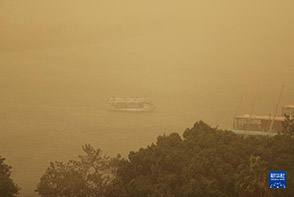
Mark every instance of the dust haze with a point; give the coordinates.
(60, 60)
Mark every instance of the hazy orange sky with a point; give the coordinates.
(249, 43)
(263, 27)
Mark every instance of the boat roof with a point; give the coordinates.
(289, 106)
(260, 117)
(126, 99)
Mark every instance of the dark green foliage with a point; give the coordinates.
(7, 187)
(207, 162)
(87, 177)
(251, 180)
(204, 162)
(288, 126)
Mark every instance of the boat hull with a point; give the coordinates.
(131, 104)
(144, 109)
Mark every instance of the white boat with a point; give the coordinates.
(131, 104)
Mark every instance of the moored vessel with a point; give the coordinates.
(131, 104)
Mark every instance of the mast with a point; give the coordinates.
(227, 119)
(269, 122)
(252, 108)
(250, 116)
(237, 110)
(276, 110)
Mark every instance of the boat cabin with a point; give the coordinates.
(257, 123)
(129, 104)
(288, 110)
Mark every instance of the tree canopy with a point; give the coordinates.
(89, 176)
(208, 162)
(7, 187)
(205, 161)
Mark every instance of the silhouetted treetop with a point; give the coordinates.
(206, 161)
(7, 187)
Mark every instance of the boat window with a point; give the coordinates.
(256, 121)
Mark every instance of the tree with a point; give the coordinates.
(87, 177)
(7, 187)
(202, 163)
(205, 161)
(288, 126)
(251, 181)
